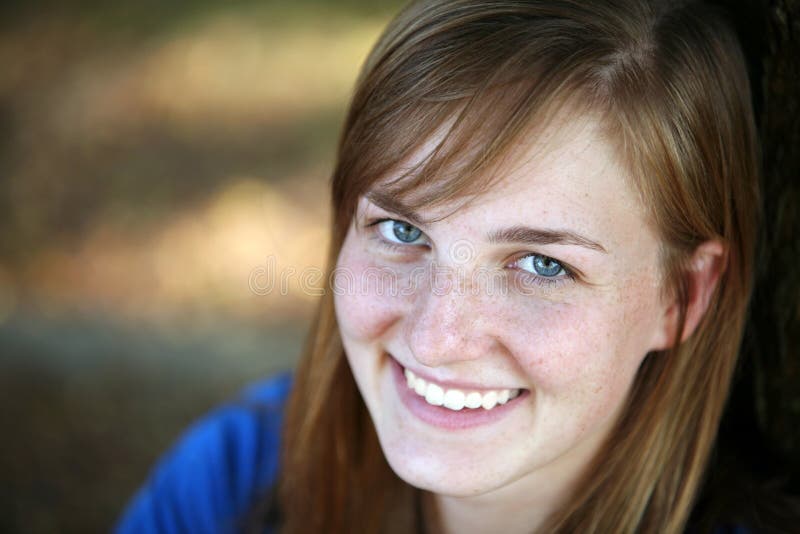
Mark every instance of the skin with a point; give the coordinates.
(574, 343)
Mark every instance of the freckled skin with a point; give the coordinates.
(575, 346)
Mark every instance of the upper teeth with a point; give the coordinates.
(456, 399)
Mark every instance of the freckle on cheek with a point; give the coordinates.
(365, 317)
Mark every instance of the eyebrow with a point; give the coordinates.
(391, 203)
(537, 236)
(514, 234)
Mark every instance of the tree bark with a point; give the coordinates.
(773, 340)
(759, 444)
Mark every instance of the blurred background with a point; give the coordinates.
(157, 160)
(160, 160)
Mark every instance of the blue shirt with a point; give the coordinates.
(221, 467)
(218, 470)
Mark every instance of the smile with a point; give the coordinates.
(456, 399)
(454, 406)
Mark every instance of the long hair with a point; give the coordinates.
(669, 83)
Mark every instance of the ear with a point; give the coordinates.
(705, 268)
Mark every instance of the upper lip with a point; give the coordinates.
(451, 384)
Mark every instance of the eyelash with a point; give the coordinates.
(543, 281)
(388, 245)
(526, 277)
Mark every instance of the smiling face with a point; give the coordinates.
(543, 292)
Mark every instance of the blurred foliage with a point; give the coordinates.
(133, 167)
(147, 18)
(152, 154)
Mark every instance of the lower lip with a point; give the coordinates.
(444, 417)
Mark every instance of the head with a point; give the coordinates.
(550, 198)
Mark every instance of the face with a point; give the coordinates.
(495, 346)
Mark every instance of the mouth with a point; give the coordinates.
(457, 399)
(453, 406)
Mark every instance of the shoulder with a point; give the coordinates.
(207, 481)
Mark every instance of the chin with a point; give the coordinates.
(455, 474)
(439, 481)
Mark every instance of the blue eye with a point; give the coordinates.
(541, 265)
(399, 231)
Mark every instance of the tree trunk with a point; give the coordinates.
(759, 447)
(773, 340)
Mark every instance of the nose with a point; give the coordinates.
(447, 326)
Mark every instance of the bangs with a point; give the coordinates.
(441, 121)
(464, 150)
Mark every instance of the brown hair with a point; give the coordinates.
(669, 82)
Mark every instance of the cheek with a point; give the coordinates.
(553, 342)
(366, 296)
(583, 350)
(574, 357)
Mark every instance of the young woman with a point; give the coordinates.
(541, 257)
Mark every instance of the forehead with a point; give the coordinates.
(570, 175)
(566, 176)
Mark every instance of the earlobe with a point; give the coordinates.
(705, 269)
